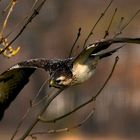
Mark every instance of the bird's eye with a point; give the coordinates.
(57, 81)
(60, 80)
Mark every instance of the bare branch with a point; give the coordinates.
(9, 52)
(38, 93)
(33, 15)
(110, 23)
(11, 6)
(23, 20)
(20, 123)
(43, 109)
(78, 35)
(101, 16)
(89, 115)
(35, 3)
(32, 104)
(126, 25)
(116, 60)
(120, 25)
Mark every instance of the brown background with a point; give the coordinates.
(51, 35)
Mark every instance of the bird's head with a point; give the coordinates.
(61, 78)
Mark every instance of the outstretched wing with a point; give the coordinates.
(11, 83)
(101, 45)
(14, 79)
(104, 44)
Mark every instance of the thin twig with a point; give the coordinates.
(126, 25)
(93, 98)
(28, 111)
(110, 23)
(34, 4)
(33, 15)
(43, 109)
(116, 60)
(20, 123)
(84, 120)
(66, 129)
(11, 6)
(102, 14)
(22, 20)
(78, 35)
(38, 93)
(9, 52)
(120, 23)
(7, 6)
(41, 100)
(119, 26)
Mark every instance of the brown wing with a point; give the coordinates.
(13, 80)
(11, 83)
(104, 44)
(101, 45)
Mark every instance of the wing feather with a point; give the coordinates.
(14, 79)
(99, 46)
(11, 83)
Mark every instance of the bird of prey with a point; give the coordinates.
(63, 72)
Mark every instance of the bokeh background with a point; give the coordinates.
(51, 35)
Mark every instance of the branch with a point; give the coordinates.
(33, 15)
(81, 123)
(32, 104)
(78, 35)
(22, 20)
(9, 52)
(119, 25)
(101, 16)
(10, 7)
(126, 25)
(107, 31)
(43, 109)
(20, 123)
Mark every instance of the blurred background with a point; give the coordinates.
(51, 35)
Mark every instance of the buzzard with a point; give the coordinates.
(63, 72)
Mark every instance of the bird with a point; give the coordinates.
(63, 72)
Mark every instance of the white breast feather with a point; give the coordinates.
(82, 72)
